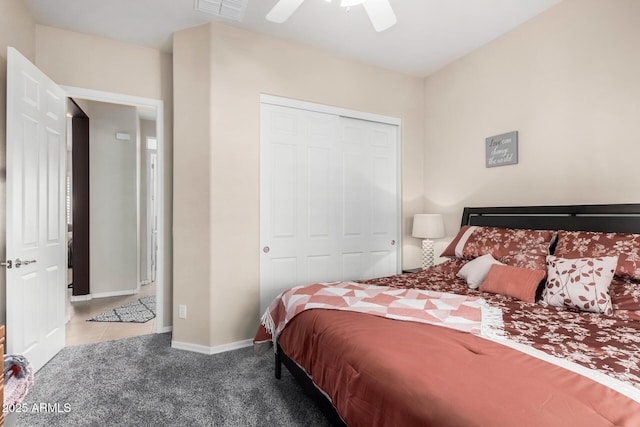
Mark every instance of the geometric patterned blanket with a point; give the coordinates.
(464, 313)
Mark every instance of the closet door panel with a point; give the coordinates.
(329, 199)
(370, 186)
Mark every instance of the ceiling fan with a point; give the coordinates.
(379, 11)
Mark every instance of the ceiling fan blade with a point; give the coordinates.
(283, 10)
(380, 14)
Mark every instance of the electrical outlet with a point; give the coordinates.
(182, 311)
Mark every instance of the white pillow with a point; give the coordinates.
(475, 271)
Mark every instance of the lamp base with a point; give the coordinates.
(427, 253)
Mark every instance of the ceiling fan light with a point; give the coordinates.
(381, 14)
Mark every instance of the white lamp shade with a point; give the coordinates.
(428, 226)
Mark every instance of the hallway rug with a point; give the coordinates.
(139, 311)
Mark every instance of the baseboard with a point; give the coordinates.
(197, 348)
(164, 329)
(75, 298)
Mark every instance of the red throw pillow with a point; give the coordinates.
(516, 282)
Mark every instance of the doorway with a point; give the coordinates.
(36, 229)
(77, 200)
(149, 280)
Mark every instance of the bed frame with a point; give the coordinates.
(623, 218)
(613, 218)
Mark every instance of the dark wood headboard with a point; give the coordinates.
(616, 218)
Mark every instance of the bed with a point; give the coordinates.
(537, 322)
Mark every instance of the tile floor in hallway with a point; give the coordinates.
(79, 331)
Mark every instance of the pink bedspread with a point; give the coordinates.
(379, 371)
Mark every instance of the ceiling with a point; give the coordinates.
(429, 33)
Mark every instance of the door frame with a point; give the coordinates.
(355, 114)
(152, 213)
(136, 101)
(330, 109)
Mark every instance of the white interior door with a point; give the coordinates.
(329, 199)
(36, 249)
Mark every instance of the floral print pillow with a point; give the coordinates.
(580, 283)
(580, 244)
(516, 247)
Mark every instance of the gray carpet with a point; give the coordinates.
(142, 381)
(139, 311)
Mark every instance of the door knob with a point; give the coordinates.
(20, 262)
(7, 264)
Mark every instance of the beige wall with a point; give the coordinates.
(113, 221)
(17, 29)
(192, 171)
(241, 66)
(568, 82)
(92, 62)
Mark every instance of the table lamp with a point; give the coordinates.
(427, 227)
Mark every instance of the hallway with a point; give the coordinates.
(79, 331)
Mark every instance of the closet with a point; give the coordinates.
(329, 195)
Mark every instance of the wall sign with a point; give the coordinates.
(502, 149)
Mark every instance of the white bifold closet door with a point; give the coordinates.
(329, 207)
